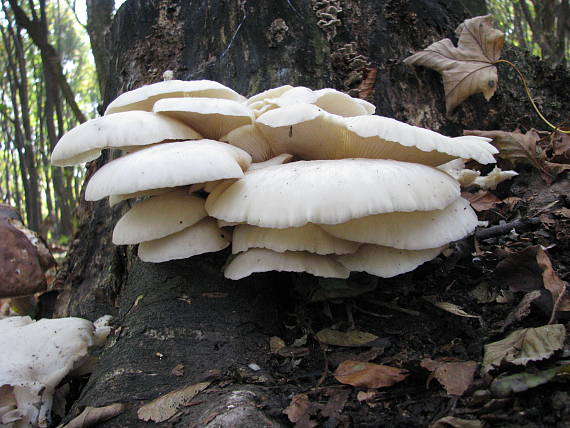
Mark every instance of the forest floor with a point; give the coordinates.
(430, 327)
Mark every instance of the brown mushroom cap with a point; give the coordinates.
(20, 267)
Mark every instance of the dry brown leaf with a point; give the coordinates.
(523, 308)
(522, 149)
(276, 344)
(329, 336)
(483, 200)
(368, 375)
(335, 405)
(366, 395)
(522, 346)
(531, 270)
(560, 147)
(166, 406)
(93, 416)
(468, 68)
(452, 421)
(455, 376)
(366, 87)
(454, 309)
(299, 411)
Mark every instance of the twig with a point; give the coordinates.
(502, 229)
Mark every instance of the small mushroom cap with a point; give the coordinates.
(41, 353)
(386, 262)
(494, 178)
(127, 130)
(328, 99)
(212, 117)
(143, 98)
(263, 260)
(309, 238)
(456, 168)
(277, 160)
(159, 216)
(250, 139)
(202, 237)
(270, 93)
(168, 165)
(330, 192)
(416, 230)
(293, 129)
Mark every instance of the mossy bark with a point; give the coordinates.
(185, 312)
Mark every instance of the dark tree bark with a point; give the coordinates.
(99, 16)
(185, 312)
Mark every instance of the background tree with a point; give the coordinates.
(542, 27)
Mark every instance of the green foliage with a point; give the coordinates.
(71, 42)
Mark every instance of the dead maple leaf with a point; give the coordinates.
(455, 376)
(522, 149)
(368, 375)
(92, 416)
(468, 68)
(483, 200)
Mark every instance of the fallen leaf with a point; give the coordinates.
(178, 370)
(366, 87)
(484, 293)
(275, 344)
(504, 386)
(531, 270)
(337, 400)
(468, 68)
(455, 376)
(454, 309)
(483, 200)
(522, 346)
(300, 410)
(93, 416)
(368, 375)
(329, 336)
(451, 421)
(522, 149)
(523, 308)
(560, 147)
(166, 406)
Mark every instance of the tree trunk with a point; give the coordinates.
(185, 312)
(99, 17)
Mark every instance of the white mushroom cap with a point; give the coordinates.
(143, 98)
(262, 260)
(202, 237)
(293, 130)
(270, 93)
(309, 238)
(330, 192)
(212, 117)
(35, 357)
(277, 160)
(386, 262)
(115, 199)
(416, 230)
(456, 168)
(250, 139)
(159, 216)
(168, 165)
(328, 99)
(128, 130)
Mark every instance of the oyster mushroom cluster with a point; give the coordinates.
(295, 179)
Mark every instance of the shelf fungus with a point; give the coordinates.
(293, 179)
